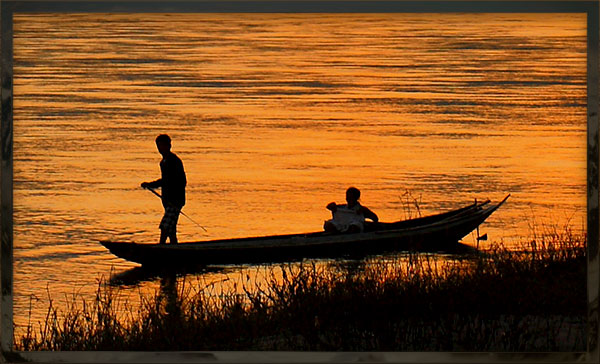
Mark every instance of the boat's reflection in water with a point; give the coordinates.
(138, 275)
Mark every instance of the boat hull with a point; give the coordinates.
(432, 233)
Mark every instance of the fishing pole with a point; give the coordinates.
(183, 213)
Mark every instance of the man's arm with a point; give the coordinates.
(153, 184)
(332, 207)
(370, 214)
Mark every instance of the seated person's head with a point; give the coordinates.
(352, 195)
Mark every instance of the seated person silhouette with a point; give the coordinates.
(349, 218)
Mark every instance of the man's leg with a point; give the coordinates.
(163, 237)
(168, 225)
(329, 227)
(173, 232)
(354, 229)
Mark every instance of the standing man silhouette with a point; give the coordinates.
(172, 184)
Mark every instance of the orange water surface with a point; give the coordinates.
(274, 116)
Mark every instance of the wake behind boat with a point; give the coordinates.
(435, 232)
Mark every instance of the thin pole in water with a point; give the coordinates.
(183, 213)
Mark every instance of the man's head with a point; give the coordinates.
(163, 143)
(352, 195)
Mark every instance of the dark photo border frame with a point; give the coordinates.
(9, 8)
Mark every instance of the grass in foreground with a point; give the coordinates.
(532, 300)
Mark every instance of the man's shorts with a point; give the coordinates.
(169, 221)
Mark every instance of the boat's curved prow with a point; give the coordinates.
(491, 209)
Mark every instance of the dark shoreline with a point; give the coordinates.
(531, 300)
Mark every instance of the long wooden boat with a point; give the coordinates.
(435, 232)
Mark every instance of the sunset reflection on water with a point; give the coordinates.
(275, 116)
